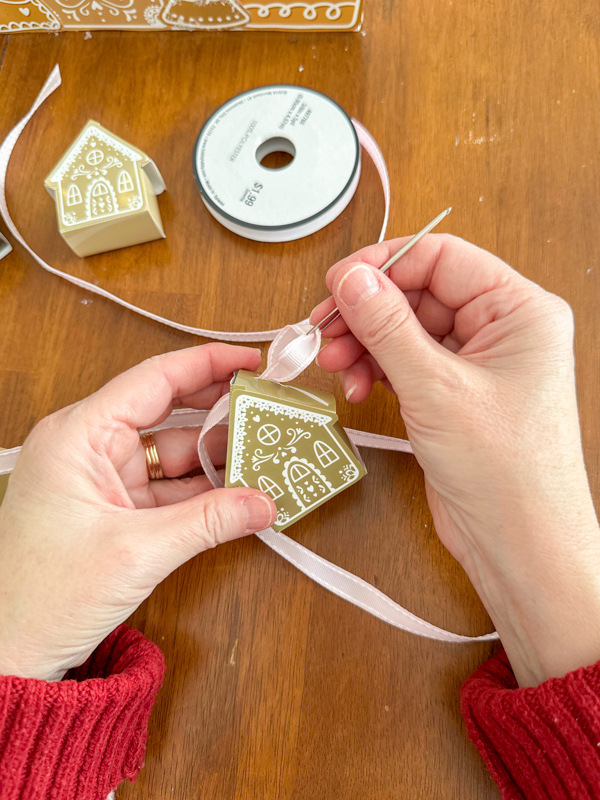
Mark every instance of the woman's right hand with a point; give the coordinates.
(481, 360)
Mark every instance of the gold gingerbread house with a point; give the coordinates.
(287, 442)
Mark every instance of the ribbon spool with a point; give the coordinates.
(296, 200)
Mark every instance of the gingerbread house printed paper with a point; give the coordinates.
(26, 15)
(105, 193)
(205, 14)
(340, 15)
(201, 15)
(287, 442)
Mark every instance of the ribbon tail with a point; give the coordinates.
(369, 144)
(216, 416)
(358, 592)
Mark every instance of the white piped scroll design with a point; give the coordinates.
(96, 11)
(246, 403)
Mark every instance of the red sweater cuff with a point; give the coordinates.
(540, 742)
(77, 739)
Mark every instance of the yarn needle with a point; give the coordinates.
(411, 243)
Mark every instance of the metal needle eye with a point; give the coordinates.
(411, 243)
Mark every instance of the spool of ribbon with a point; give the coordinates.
(291, 352)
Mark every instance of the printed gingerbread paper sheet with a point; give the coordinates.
(203, 15)
(287, 442)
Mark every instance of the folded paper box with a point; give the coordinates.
(105, 193)
(287, 442)
(53, 15)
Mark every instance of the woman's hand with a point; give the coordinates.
(85, 537)
(481, 360)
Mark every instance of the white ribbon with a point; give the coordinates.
(291, 352)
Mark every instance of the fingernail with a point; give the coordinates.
(357, 285)
(348, 387)
(258, 512)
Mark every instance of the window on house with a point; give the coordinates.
(268, 486)
(125, 183)
(73, 195)
(95, 157)
(298, 471)
(99, 189)
(325, 454)
(268, 434)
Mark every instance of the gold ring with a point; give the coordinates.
(155, 472)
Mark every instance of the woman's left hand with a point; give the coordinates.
(85, 536)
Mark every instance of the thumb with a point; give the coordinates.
(380, 317)
(182, 530)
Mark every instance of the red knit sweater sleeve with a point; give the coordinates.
(540, 743)
(77, 739)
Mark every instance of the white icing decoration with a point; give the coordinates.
(283, 10)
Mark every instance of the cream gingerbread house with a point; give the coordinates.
(287, 442)
(105, 193)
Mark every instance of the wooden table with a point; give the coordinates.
(275, 688)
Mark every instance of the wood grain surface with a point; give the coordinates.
(275, 688)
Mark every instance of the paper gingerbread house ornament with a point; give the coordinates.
(105, 193)
(287, 442)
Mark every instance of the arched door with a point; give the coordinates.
(101, 198)
(308, 487)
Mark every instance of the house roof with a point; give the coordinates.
(285, 392)
(95, 130)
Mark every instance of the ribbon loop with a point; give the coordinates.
(291, 352)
